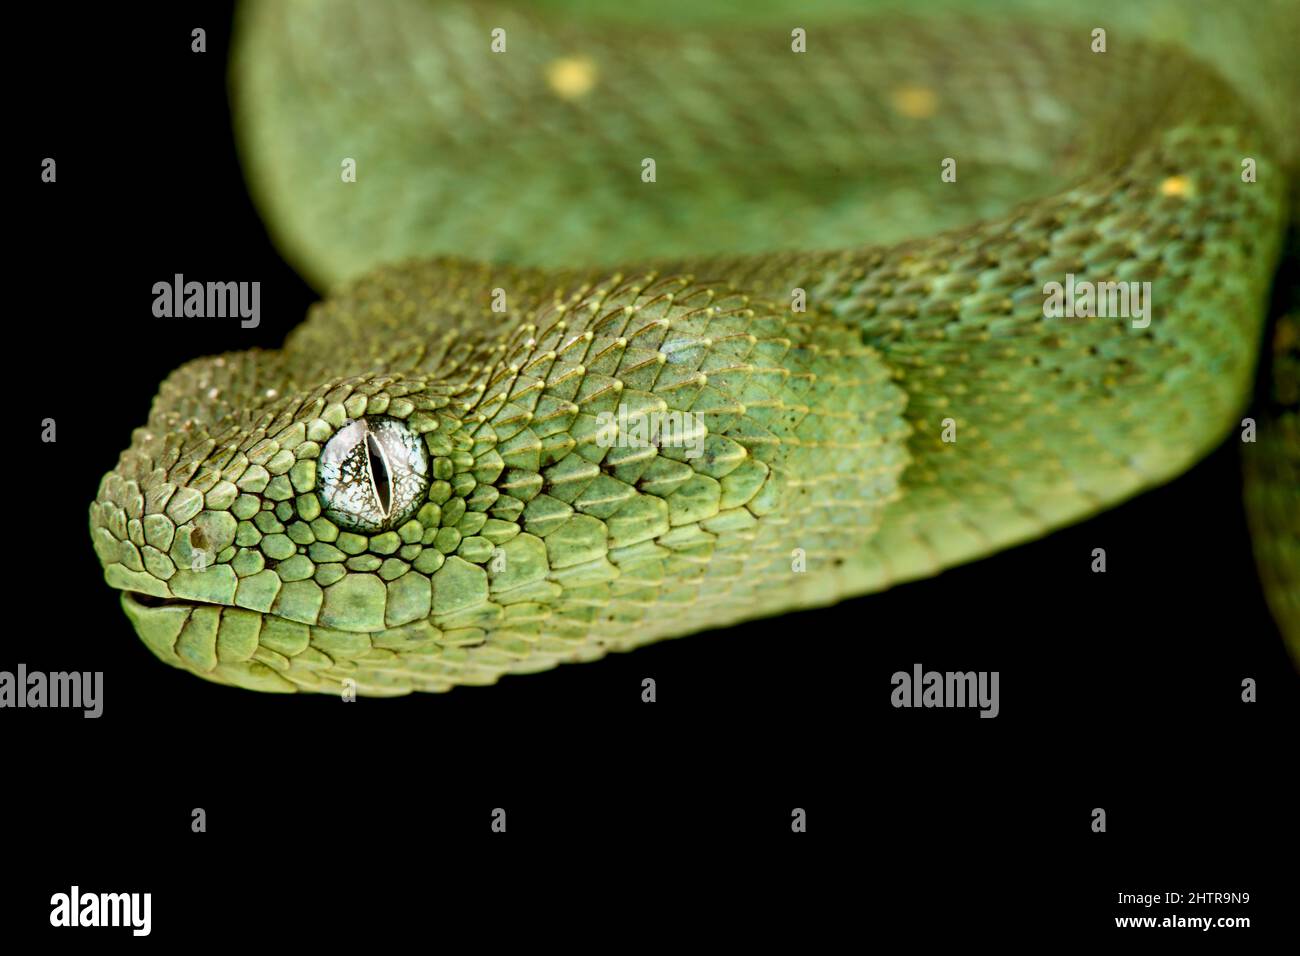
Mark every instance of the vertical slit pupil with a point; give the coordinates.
(379, 473)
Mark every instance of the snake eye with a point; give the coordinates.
(373, 474)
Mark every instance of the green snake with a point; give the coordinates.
(563, 216)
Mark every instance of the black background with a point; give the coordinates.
(1118, 690)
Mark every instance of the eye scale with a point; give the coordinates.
(374, 473)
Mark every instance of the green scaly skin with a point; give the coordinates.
(825, 428)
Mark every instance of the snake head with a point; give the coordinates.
(270, 535)
(419, 491)
(345, 508)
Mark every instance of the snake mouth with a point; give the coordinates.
(141, 599)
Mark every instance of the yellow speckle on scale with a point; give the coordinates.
(570, 77)
(1176, 186)
(914, 102)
